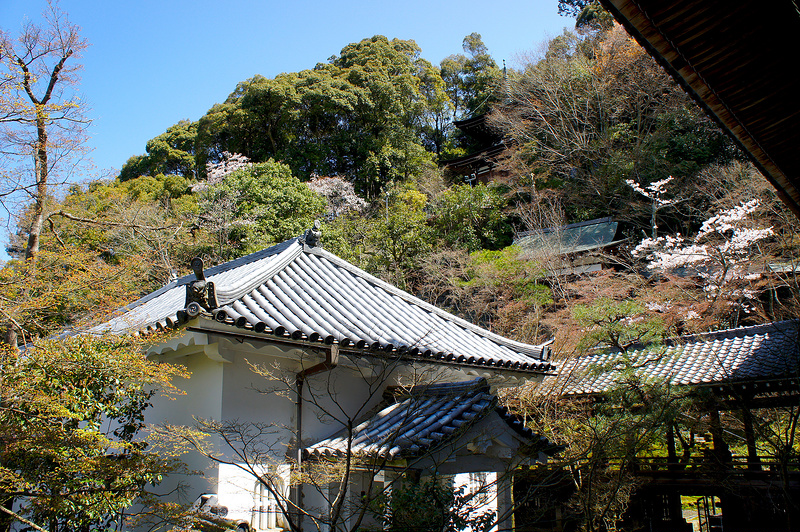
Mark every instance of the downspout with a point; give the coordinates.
(331, 361)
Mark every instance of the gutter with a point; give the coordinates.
(331, 361)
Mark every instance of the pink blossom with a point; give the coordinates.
(216, 172)
(340, 194)
(719, 254)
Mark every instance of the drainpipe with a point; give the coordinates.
(331, 361)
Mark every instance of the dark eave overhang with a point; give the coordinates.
(469, 162)
(737, 60)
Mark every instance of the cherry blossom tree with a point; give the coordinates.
(721, 255)
(339, 193)
(655, 193)
(216, 172)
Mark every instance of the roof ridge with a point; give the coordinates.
(226, 294)
(678, 341)
(249, 258)
(541, 351)
(575, 225)
(734, 332)
(439, 388)
(213, 270)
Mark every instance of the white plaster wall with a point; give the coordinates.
(202, 399)
(223, 387)
(249, 398)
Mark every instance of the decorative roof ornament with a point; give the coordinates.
(313, 236)
(200, 294)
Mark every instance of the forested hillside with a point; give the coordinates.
(595, 129)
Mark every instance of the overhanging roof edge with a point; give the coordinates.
(628, 11)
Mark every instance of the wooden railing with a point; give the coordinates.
(695, 463)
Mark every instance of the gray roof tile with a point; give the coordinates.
(734, 355)
(413, 421)
(305, 293)
(573, 238)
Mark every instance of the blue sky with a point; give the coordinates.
(152, 63)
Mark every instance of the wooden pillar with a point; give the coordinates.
(753, 461)
(505, 502)
(672, 454)
(721, 450)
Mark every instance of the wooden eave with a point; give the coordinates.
(738, 61)
(471, 161)
(478, 128)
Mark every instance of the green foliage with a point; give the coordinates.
(135, 166)
(391, 242)
(172, 152)
(148, 223)
(361, 115)
(70, 415)
(505, 268)
(260, 205)
(375, 114)
(606, 437)
(619, 324)
(149, 188)
(596, 110)
(352, 236)
(470, 79)
(472, 217)
(431, 505)
(62, 289)
(404, 232)
(436, 128)
(572, 8)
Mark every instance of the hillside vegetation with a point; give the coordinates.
(594, 129)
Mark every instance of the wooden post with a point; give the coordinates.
(505, 502)
(672, 454)
(753, 462)
(721, 450)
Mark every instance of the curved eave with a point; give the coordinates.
(294, 292)
(242, 330)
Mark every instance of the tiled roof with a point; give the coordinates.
(419, 419)
(760, 352)
(297, 292)
(573, 238)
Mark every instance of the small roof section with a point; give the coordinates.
(488, 155)
(415, 421)
(573, 238)
(298, 292)
(732, 356)
(477, 127)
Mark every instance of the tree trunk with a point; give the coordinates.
(41, 185)
(10, 337)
